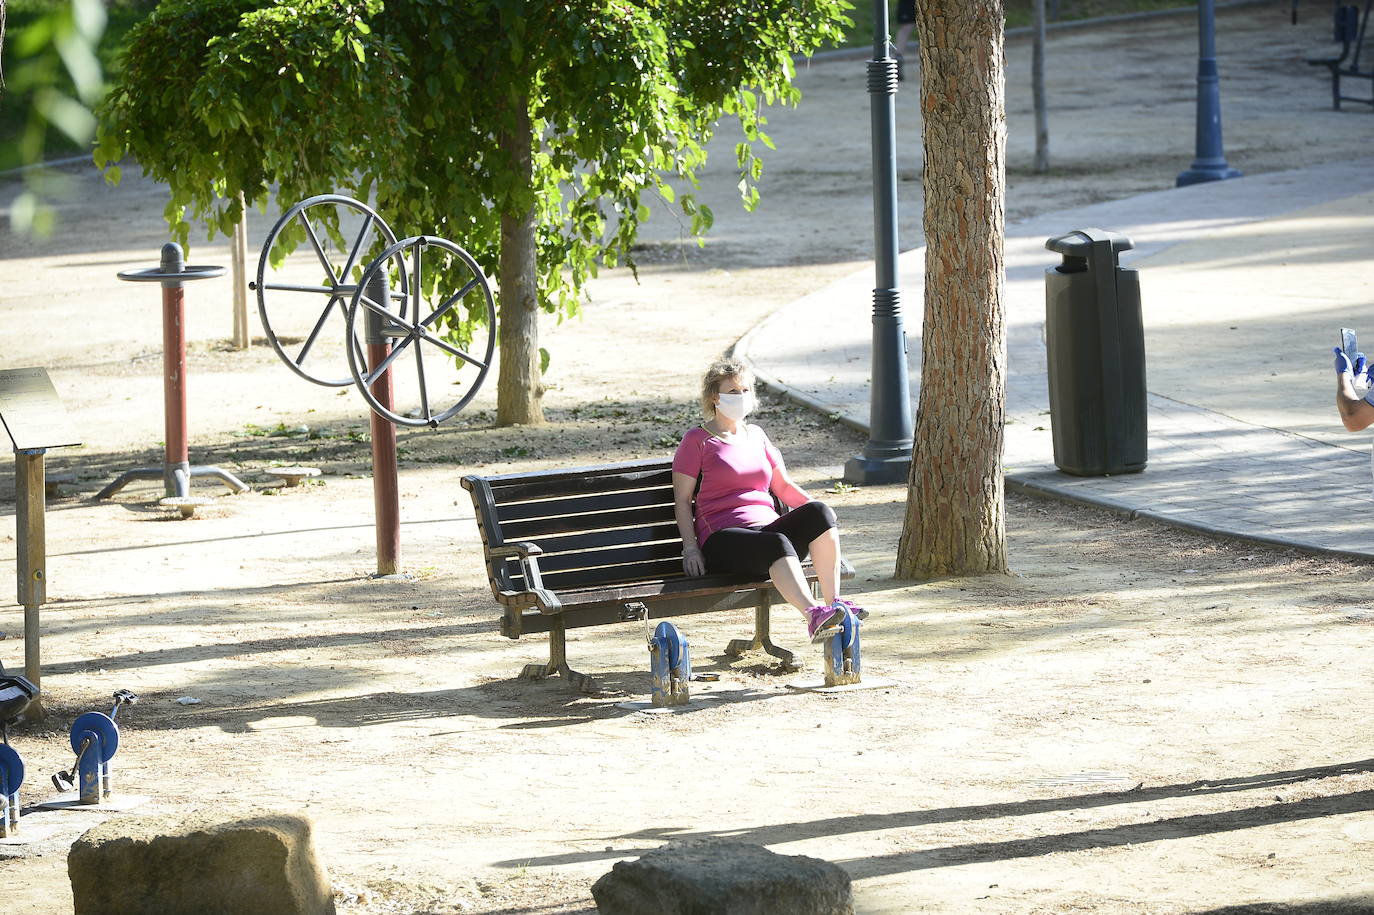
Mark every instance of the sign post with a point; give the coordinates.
(35, 421)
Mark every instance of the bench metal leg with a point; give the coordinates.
(558, 661)
(761, 640)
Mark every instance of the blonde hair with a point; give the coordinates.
(721, 370)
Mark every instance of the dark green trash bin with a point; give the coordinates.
(1095, 343)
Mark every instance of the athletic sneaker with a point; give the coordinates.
(859, 612)
(823, 622)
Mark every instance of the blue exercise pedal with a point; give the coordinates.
(670, 665)
(95, 740)
(11, 777)
(841, 659)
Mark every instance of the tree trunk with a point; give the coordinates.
(519, 390)
(1042, 122)
(955, 507)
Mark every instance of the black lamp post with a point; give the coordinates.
(887, 456)
(1209, 163)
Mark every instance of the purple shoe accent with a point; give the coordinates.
(823, 622)
(859, 612)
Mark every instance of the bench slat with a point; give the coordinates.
(522, 491)
(650, 570)
(600, 539)
(590, 521)
(670, 588)
(618, 556)
(580, 505)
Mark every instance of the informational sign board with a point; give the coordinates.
(31, 413)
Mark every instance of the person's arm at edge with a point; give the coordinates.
(1356, 412)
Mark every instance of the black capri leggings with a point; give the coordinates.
(750, 551)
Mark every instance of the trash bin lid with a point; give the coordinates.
(1079, 242)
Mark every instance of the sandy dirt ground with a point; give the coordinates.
(1134, 720)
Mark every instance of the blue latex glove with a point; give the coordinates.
(1343, 366)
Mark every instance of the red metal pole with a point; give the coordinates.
(176, 465)
(386, 495)
(174, 372)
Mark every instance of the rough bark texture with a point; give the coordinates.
(955, 508)
(519, 389)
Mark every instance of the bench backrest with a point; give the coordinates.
(596, 525)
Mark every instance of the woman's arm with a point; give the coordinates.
(787, 491)
(684, 488)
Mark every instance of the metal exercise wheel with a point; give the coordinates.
(96, 725)
(342, 233)
(11, 770)
(370, 317)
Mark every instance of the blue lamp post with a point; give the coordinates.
(887, 456)
(1209, 163)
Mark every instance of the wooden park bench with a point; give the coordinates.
(1350, 27)
(597, 545)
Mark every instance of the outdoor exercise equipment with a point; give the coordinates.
(16, 695)
(393, 298)
(95, 740)
(843, 666)
(670, 665)
(11, 778)
(176, 470)
(35, 421)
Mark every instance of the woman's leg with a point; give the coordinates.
(786, 575)
(825, 557)
(812, 530)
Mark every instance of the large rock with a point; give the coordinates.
(203, 863)
(723, 878)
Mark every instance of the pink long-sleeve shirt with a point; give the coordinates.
(735, 478)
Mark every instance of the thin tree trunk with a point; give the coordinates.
(955, 506)
(238, 258)
(519, 390)
(1042, 122)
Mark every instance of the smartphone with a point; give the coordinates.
(1348, 345)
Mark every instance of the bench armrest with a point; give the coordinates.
(528, 554)
(521, 548)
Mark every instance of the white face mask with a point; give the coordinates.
(735, 406)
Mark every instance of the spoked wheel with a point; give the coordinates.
(304, 290)
(447, 292)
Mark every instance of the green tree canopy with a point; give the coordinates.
(429, 106)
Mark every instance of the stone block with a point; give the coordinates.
(723, 878)
(199, 863)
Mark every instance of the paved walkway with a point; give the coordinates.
(1245, 284)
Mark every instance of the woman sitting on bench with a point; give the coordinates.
(730, 468)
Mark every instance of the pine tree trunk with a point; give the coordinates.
(519, 389)
(955, 507)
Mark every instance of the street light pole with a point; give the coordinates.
(1210, 162)
(887, 456)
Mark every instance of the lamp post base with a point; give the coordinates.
(1201, 174)
(868, 471)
